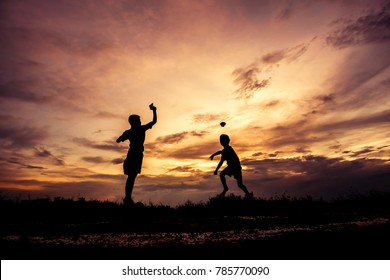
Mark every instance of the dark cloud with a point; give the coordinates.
(177, 137)
(288, 54)
(42, 152)
(310, 132)
(272, 104)
(172, 138)
(174, 146)
(335, 147)
(34, 60)
(366, 152)
(303, 150)
(117, 161)
(373, 120)
(106, 145)
(383, 147)
(21, 137)
(28, 166)
(199, 133)
(247, 80)
(106, 115)
(197, 151)
(34, 39)
(369, 28)
(361, 83)
(23, 90)
(325, 98)
(97, 159)
(287, 11)
(185, 169)
(292, 8)
(317, 176)
(44, 89)
(207, 118)
(320, 104)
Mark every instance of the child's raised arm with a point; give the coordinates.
(154, 121)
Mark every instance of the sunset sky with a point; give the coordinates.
(303, 87)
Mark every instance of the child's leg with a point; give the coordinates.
(223, 180)
(241, 185)
(129, 186)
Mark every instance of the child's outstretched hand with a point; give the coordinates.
(152, 107)
(215, 172)
(212, 157)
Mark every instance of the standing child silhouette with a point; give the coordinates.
(133, 162)
(233, 166)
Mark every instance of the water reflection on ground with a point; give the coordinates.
(143, 239)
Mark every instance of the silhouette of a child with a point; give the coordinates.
(233, 166)
(133, 162)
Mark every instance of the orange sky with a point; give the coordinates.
(302, 85)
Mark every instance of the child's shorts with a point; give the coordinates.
(133, 163)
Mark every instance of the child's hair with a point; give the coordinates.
(134, 119)
(224, 139)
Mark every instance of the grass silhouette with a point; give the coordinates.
(38, 228)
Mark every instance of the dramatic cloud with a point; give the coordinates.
(23, 90)
(370, 28)
(117, 161)
(42, 152)
(73, 71)
(208, 118)
(317, 176)
(287, 11)
(106, 145)
(173, 138)
(310, 133)
(177, 137)
(272, 103)
(289, 54)
(94, 159)
(247, 78)
(21, 137)
(106, 115)
(198, 151)
(185, 169)
(29, 166)
(381, 118)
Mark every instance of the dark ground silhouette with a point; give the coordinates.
(355, 227)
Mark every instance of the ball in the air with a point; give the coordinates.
(222, 124)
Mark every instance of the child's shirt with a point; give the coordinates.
(136, 135)
(231, 157)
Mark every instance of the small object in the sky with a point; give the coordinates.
(222, 124)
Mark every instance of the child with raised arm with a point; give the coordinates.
(233, 166)
(133, 162)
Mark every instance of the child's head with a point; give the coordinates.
(134, 120)
(224, 139)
